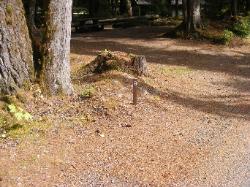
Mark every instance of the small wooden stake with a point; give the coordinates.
(135, 88)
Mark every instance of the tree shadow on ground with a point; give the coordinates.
(193, 55)
(206, 105)
(236, 64)
(241, 85)
(132, 33)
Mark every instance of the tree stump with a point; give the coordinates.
(116, 60)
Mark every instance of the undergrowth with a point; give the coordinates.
(241, 27)
(88, 92)
(226, 37)
(218, 33)
(15, 121)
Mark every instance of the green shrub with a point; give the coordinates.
(241, 27)
(88, 92)
(19, 113)
(226, 37)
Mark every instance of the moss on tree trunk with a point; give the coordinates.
(55, 75)
(16, 60)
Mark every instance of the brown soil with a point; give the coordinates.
(190, 127)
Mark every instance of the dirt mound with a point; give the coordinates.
(108, 60)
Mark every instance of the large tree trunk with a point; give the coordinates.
(129, 7)
(126, 7)
(114, 7)
(55, 75)
(196, 13)
(185, 13)
(234, 7)
(192, 16)
(176, 8)
(247, 6)
(16, 61)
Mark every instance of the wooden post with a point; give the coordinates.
(135, 88)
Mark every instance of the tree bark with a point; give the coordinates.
(196, 13)
(191, 15)
(185, 13)
(234, 7)
(31, 15)
(114, 4)
(126, 7)
(16, 61)
(176, 8)
(55, 75)
(247, 6)
(129, 8)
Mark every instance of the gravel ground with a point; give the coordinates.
(190, 127)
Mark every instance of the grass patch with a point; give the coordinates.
(175, 70)
(17, 129)
(111, 104)
(22, 130)
(88, 92)
(15, 122)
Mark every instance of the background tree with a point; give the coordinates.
(247, 6)
(126, 7)
(176, 8)
(191, 15)
(114, 5)
(234, 7)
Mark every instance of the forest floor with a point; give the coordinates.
(191, 126)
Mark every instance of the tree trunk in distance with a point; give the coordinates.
(176, 8)
(16, 60)
(234, 7)
(185, 13)
(126, 7)
(191, 15)
(129, 8)
(247, 6)
(196, 14)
